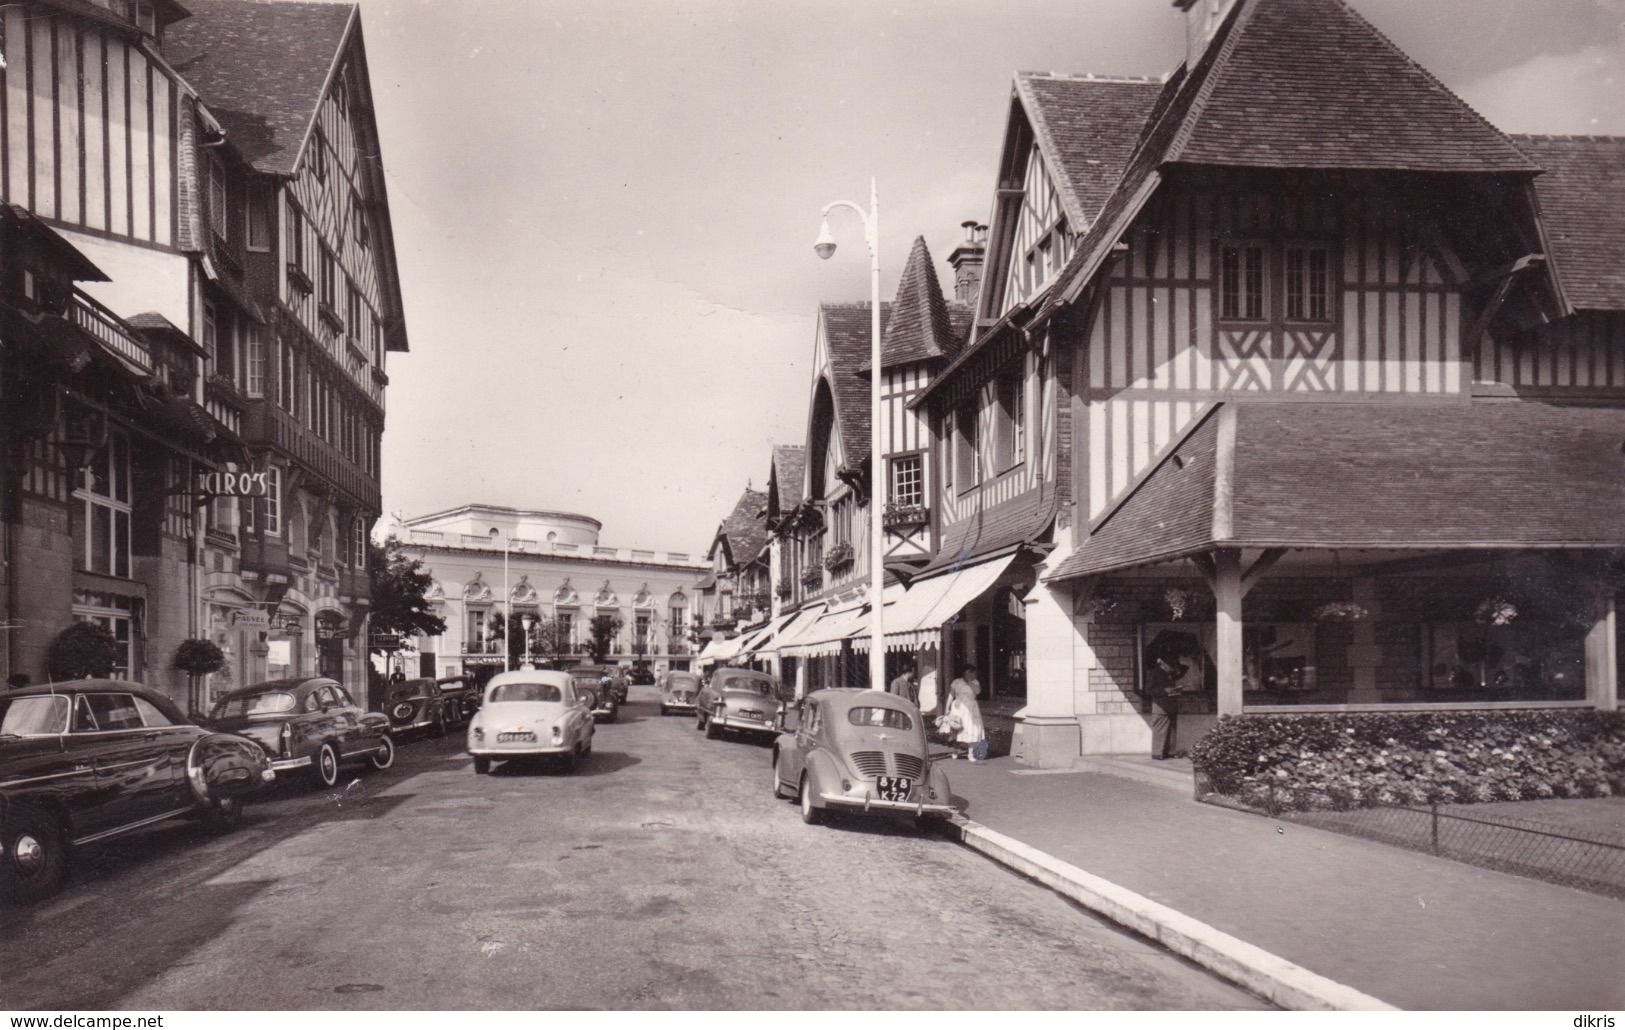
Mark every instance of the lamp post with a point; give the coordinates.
(526, 620)
(507, 607)
(824, 246)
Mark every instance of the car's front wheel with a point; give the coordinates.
(223, 813)
(664, 711)
(778, 784)
(36, 855)
(325, 766)
(809, 815)
(384, 757)
(481, 765)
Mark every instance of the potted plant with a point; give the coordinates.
(81, 651)
(197, 658)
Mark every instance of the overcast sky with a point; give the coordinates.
(604, 211)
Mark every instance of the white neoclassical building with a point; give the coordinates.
(495, 566)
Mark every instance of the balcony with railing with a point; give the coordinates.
(111, 332)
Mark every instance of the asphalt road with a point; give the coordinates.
(660, 874)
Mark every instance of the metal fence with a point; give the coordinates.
(1524, 847)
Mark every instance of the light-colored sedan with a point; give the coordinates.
(533, 713)
(678, 690)
(739, 701)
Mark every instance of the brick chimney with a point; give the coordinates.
(1202, 19)
(967, 262)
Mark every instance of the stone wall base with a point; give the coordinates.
(1046, 743)
(1131, 734)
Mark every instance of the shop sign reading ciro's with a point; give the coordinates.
(233, 484)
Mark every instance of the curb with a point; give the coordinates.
(1271, 977)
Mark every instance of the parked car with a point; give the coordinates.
(420, 707)
(741, 700)
(306, 723)
(600, 681)
(463, 690)
(86, 760)
(641, 676)
(863, 750)
(678, 691)
(532, 713)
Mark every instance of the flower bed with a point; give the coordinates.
(1364, 759)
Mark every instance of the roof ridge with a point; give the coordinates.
(1095, 77)
(1229, 34)
(1578, 137)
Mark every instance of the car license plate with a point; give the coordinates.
(513, 738)
(893, 788)
(756, 716)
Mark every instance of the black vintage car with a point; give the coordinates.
(420, 706)
(306, 723)
(605, 685)
(463, 690)
(86, 760)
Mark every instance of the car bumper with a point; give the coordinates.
(282, 764)
(734, 722)
(408, 727)
(522, 751)
(677, 706)
(870, 803)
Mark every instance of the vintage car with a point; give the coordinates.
(678, 691)
(308, 722)
(600, 682)
(862, 750)
(86, 760)
(463, 690)
(533, 713)
(640, 676)
(739, 699)
(420, 706)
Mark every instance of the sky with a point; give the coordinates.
(604, 211)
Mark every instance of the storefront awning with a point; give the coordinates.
(718, 649)
(763, 639)
(917, 618)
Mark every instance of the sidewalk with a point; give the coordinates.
(1405, 929)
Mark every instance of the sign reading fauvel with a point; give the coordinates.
(232, 484)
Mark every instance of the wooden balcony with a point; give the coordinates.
(266, 423)
(110, 331)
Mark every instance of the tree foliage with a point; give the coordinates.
(82, 650)
(603, 629)
(399, 584)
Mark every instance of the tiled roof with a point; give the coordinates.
(1087, 128)
(848, 333)
(789, 469)
(918, 327)
(1311, 84)
(1020, 520)
(260, 66)
(1582, 202)
(1426, 476)
(745, 529)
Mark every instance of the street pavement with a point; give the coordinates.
(661, 874)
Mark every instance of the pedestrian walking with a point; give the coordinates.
(905, 686)
(929, 690)
(1165, 671)
(963, 718)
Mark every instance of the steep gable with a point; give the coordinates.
(262, 69)
(744, 531)
(785, 482)
(1311, 84)
(1582, 203)
(918, 327)
(847, 332)
(1088, 126)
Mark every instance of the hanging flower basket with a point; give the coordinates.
(1495, 611)
(1341, 611)
(839, 556)
(1179, 602)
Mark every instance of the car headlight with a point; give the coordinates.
(558, 733)
(478, 732)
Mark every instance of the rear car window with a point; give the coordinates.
(272, 703)
(526, 692)
(889, 718)
(761, 688)
(35, 716)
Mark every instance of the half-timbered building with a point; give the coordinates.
(1322, 370)
(218, 166)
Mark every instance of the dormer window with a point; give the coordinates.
(217, 198)
(141, 15)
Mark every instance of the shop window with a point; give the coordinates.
(1527, 659)
(117, 615)
(102, 523)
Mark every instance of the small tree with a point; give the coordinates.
(83, 650)
(399, 584)
(603, 629)
(197, 658)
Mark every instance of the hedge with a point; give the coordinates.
(1363, 759)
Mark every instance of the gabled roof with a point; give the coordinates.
(1420, 473)
(918, 327)
(1582, 203)
(789, 468)
(1087, 128)
(744, 531)
(262, 68)
(1311, 84)
(847, 332)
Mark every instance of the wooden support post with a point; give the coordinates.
(1227, 595)
(1602, 660)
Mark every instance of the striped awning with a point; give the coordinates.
(917, 618)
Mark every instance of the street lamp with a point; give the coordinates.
(824, 246)
(527, 620)
(507, 612)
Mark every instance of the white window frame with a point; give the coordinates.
(273, 501)
(254, 345)
(116, 501)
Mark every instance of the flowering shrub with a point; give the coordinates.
(1383, 758)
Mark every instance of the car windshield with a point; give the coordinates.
(746, 685)
(36, 716)
(526, 692)
(270, 703)
(681, 683)
(890, 718)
